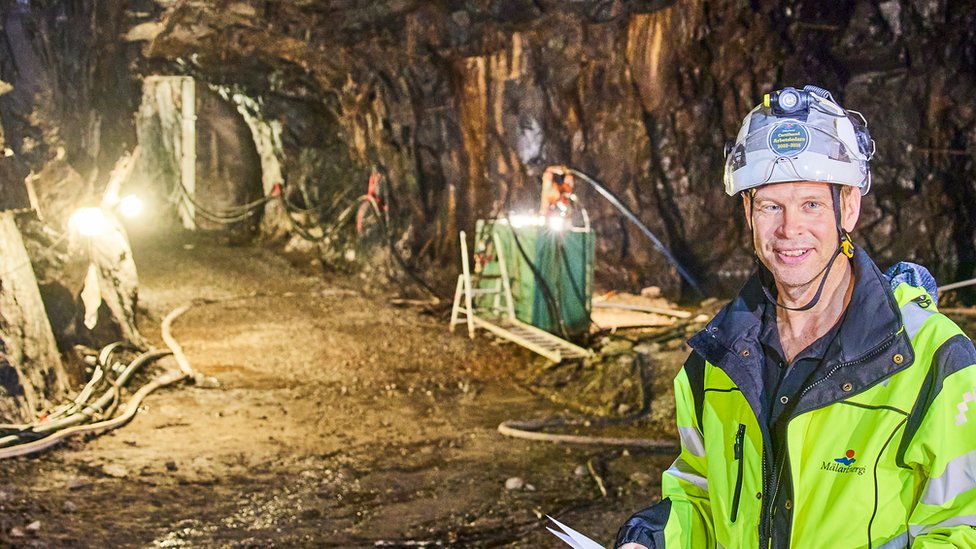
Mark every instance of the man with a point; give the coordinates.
(828, 405)
(557, 191)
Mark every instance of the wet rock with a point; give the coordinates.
(461, 19)
(640, 478)
(171, 465)
(647, 348)
(652, 292)
(115, 470)
(514, 483)
(206, 382)
(625, 361)
(616, 347)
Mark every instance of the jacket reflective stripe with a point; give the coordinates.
(680, 469)
(692, 441)
(959, 476)
(913, 315)
(963, 407)
(898, 542)
(918, 529)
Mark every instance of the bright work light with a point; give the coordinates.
(557, 223)
(519, 220)
(130, 206)
(88, 222)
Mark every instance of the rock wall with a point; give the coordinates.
(31, 374)
(66, 116)
(466, 102)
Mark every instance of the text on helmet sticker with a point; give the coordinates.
(788, 138)
(738, 156)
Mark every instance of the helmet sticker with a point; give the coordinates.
(788, 138)
(738, 156)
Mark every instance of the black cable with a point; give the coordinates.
(221, 220)
(632, 217)
(488, 228)
(229, 216)
(302, 231)
(292, 208)
(601, 421)
(109, 399)
(580, 295)
(236, 210)
(530, 429)
(396, 254)
(551, 304)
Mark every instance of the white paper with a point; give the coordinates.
(571, 537)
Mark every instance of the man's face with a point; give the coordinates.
(794, 230)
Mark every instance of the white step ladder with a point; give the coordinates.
(502, 321)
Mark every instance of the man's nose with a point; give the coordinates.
(790, 224)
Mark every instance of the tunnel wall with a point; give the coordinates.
(465, 103)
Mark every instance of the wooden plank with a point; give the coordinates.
(643, 309)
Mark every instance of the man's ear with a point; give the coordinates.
(850, 208)
(747, 207)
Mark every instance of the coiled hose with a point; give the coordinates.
(56, 431)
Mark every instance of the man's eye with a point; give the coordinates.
(772, 208)
(814, 205)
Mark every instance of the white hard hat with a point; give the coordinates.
(800, 135)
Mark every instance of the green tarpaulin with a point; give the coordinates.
(551, 275)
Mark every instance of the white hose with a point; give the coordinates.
(174, 345)
(131, 407)
(954, 285)
(506, 428)
(95, 428)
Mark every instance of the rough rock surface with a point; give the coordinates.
(31, 375)
(465, 102)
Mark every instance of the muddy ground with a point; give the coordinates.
(340, 420)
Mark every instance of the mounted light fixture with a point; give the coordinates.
(557, 223)
(519, 220)
(88, 222)
(130, 206)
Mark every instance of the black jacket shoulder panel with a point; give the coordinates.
(695, 370)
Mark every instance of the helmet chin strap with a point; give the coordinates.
(845, 246)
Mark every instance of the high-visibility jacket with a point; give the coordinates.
(881, 445)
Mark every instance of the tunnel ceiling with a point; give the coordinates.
(464, 104)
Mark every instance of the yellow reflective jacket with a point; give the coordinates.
(881, 444)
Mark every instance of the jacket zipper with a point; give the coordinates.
(737, 453)
(775, 490)
(877, 351)
(765, 491)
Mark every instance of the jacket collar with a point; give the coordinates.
(730, 341)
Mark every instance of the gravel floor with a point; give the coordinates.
(339, 420)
